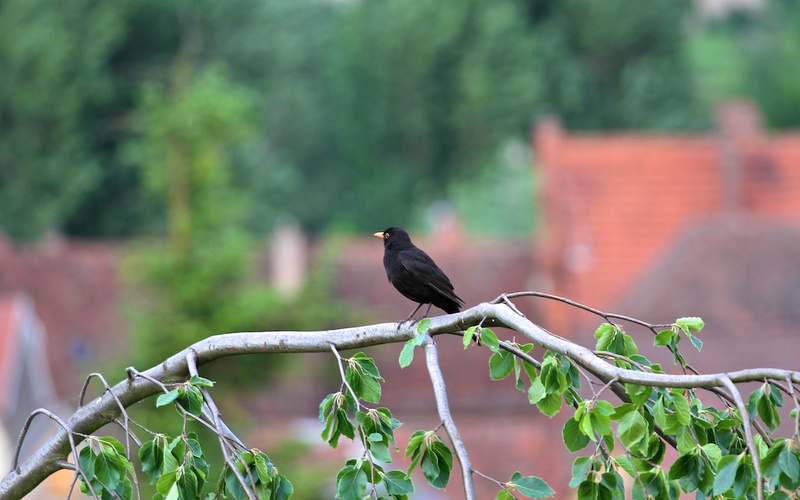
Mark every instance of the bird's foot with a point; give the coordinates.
(411, 321)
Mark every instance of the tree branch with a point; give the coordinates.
(108, 406)
(440, 392)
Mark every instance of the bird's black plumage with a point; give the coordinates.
(414, 274)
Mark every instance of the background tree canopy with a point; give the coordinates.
(361, 112)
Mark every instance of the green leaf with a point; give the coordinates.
(504, 495)
(530, 486)
(604, 330)
(415, 442)
(685, 439)
(103, 460)
(696, 342)
(611, 338)
(770, 463)
(590, 490)
(333, 412)
(284, 488)
(579, 470)
(550, 404)
(407, 354)
(437, 463)
(86, 460)
(190, 398)
(726, 473)
(398, 483)
(614, 484)
(501, 364)
(652, 485)
(166, 482)
(574, 439)
(713, 453)
(625, 463)
(423, 326)
(351, 483)
(692, 473)
(151, 454)
(790, 466)
(604, 408)
(779, 495)
(187, 483)
(469, 336)
(366, 365)
(380, 452)
(632, 429)
(639, 394)
(537, 391)
(681, 407)
(690, 324)
(203, 382)
(167, 398)
(489, 339)
(363, 377)
(664, 337)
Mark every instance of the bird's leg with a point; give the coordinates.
(408, 318)
(427, 311)
(412, 313)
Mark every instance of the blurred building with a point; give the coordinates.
(26, 384)
(661, 226)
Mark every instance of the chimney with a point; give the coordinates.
(741, 138)
(289, 262)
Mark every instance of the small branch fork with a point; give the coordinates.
(111, 404)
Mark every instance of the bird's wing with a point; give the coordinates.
(422, 267)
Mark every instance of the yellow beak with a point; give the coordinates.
(378, 235)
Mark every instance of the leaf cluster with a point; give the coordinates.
(343, 414)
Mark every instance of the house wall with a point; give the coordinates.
(615, 203)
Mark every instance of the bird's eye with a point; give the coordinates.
(385, 236)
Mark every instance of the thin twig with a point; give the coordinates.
(210, 411)
(125, 423)
(653, 327)
(748, 434)
(440, 393)
(67, 429)
(340, 364)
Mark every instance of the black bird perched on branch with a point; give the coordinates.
(414, 274)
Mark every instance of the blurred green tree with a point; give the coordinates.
(375, 107)
(773, 63)
(617, 64)
(425, 94)
(203, 279)
(53, 81)
(197, 282)
(364, 113)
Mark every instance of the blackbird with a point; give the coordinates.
(414, 274)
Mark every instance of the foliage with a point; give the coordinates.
(357, 110)
(773, 63)
(54, 79)
(423, 93)
(199, 282)
(364, 98)
(203, 279)
(617, 65)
